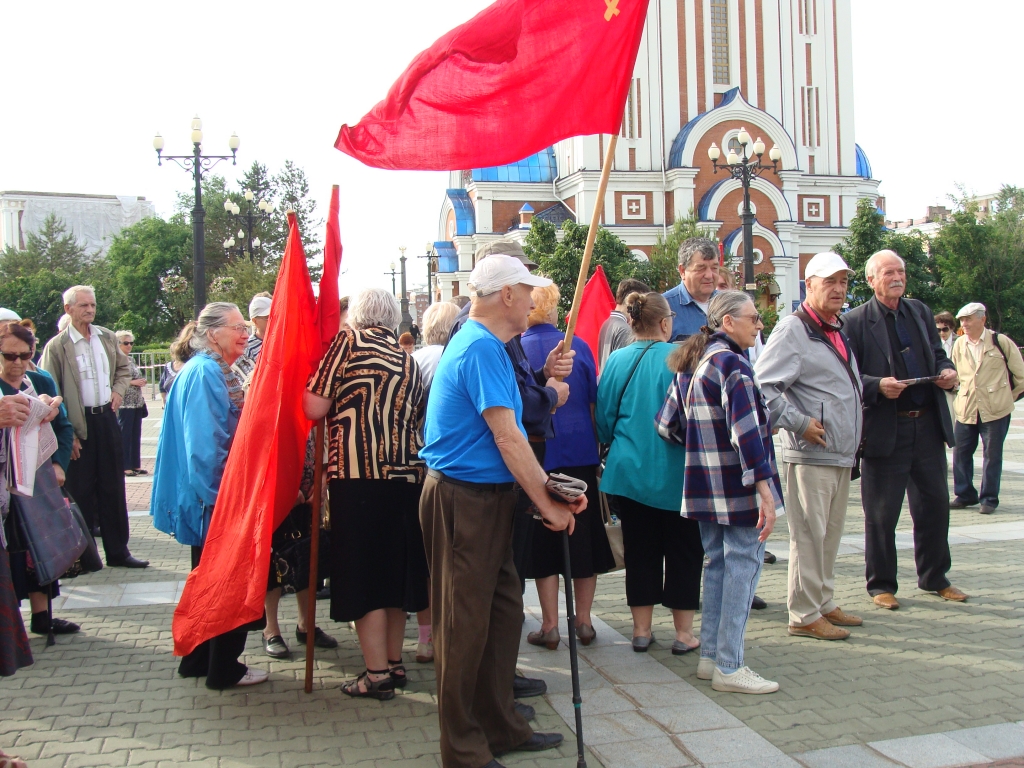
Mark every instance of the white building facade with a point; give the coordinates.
(706, 68)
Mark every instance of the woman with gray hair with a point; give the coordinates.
(437, 323)
(202, 412)
(371, 393)
(133, 409)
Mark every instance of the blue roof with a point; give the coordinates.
(675, 156)
(540, 167)
(465, 213)
(527, 208)
(447, 256)
(863, 164)
(705, 202)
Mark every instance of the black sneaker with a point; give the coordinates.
(276, 648)
(320, 638)
(959, 503)
(769, 558)
(40, 626)
(758, 604)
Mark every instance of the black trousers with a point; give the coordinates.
(130, 421)
(916, 469)
(664, 556)
(216, 659)
(96, 481)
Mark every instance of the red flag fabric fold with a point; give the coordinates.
(595, 307)
(328, 308)
(264, 467)
(519, 76)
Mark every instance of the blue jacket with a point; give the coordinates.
(689, 317)
(199, 423)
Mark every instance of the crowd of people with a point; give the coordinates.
(439, 457)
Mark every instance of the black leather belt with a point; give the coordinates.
(441, 477)
(95, 409)
(912, 414)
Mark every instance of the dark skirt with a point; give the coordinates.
(377, 555)
(14, 648)
(589, 551)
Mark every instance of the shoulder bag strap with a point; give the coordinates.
(1006, 360)
(625, 386)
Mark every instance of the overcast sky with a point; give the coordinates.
(88, 84)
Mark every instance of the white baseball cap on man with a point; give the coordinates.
(259, 307)
(496, 271)
(974, 308)
(9, 314)
(825, 265)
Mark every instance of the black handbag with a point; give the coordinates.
(89, 561)
(53, 537)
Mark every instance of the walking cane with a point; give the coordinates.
(314, 551)
(574, 662)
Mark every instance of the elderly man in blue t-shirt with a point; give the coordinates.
(698, 267)
(476, 451)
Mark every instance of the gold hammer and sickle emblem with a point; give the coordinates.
(612, 9)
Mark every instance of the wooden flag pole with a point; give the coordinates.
(588, 251)
(314, 550)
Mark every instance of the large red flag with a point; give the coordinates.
(595, 307)
(519, 76)
(264, 466)
(328, 308)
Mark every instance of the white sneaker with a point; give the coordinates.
(705, 668)
(743, 680)
(254, 677)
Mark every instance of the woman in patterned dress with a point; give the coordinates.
(132, 410)
(370, 391)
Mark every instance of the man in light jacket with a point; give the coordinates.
(991, 375)
(809, 378)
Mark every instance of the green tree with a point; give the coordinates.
(541, 240)
(661, 272)
(563, 266)
(38, 296)
(291, 189)
(239, 281)
(51, 248)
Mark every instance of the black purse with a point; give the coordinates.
(47, 526)
(89, 561)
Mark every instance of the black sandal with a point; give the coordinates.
(383, 689)
(397, 671)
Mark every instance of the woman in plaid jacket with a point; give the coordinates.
(731, 482)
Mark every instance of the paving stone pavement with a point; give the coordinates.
(934, 684)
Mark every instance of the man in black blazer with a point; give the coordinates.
(894, 339)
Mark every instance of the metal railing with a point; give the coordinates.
(152, 364)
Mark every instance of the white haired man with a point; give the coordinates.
(991, 378)
(93, 376)
(904, 371)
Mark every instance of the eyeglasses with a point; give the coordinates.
(126, 343)
(755, 318)
(12, 356)
(241, 328)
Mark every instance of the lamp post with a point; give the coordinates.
(406, 323)
(393, 272)
(248, 220)
(747, 166)
(429, 256)
(197, 163)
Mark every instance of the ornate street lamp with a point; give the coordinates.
(406, 323)
(429, 256)
(393, 272)
(197, 163)
(248, 220)
(747, 166)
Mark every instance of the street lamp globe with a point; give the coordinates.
(255, 242)
(158, 142)
(241, 234)
(775, 153)
(732, 158)
(233, 142)
(743, 137)
(758, 147)
(249, 195)
(714, 153)
(228, 205)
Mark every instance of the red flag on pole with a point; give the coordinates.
(264, 466)
(327, 305)
(597, 304)
(519, 76)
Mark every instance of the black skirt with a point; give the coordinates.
(589, 551)
(377, 555)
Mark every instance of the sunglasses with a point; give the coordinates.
(12, 356)
(943, 328)
(126, 343)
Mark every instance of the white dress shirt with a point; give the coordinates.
(93, 367)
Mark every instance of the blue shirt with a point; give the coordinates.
(474, 374)
(689, 316)
(574, 443)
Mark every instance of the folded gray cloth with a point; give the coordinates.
(565, 488)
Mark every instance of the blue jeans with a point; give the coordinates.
(730, 578)
(992, 433)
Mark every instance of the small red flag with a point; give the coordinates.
(264, 466)
(595, 307)
(327, 304)
(516, 78)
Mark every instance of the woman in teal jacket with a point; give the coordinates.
(643, 478)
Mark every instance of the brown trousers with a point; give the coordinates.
(476, 608)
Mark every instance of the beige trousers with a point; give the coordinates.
(816, 499)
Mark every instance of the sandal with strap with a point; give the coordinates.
(383, 689)
(397, 671)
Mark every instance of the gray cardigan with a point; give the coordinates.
(801, 379)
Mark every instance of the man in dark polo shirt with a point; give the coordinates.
(894, 340)
(477, 451)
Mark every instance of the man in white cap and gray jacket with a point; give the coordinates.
(809, 378)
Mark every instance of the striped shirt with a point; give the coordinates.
(373, 423)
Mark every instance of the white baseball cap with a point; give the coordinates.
(825, 265)
(8, 314)
(971, 309)
(259, 307)
(496, 271)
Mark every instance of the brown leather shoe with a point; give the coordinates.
(837, 618)
(820, 629)
(886, 600)
(549, 639)
(953, 594)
